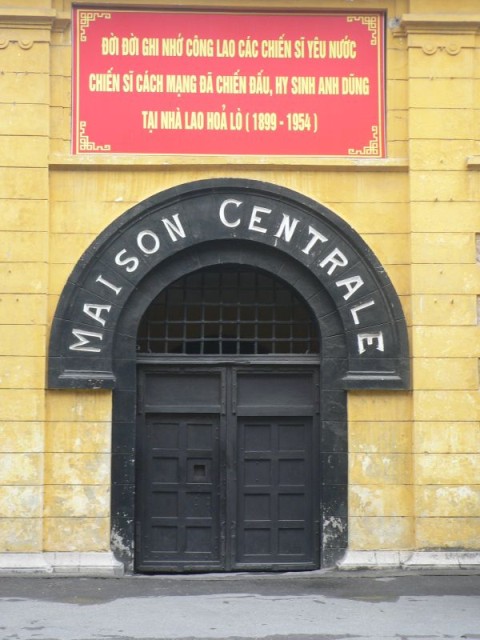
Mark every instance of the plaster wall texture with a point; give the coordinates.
(414, 457)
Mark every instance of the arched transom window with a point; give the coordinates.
(228, 310)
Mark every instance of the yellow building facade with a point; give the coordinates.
(412, 454)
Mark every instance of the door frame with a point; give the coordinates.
(230, 412)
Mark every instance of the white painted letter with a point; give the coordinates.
(132, 261)
(82, 337)
(316, 236)
(148, 234)
(108, 284)
(336, 258)
(352, 284)
(95, 311)
(287, 228)
(354, 310)
(369, 339)
(255, 219)
(174, 227)
(221, 212)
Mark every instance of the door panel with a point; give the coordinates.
(226, 469)
(200, 391)
(275, 492)
(180, 521)
(261, 392)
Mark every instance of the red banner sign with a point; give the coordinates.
(160, 82)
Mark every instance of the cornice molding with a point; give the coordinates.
(473, 163)
(443, 23)
(286, 163)
(29, 18)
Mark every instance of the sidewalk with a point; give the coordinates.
(328, 605)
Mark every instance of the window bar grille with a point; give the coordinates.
(225, 311)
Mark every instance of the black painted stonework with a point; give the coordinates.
(363, 338)
(84, 344)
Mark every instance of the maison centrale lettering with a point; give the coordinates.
(236, 218)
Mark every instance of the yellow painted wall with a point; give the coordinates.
(414, 459)
(444, 195)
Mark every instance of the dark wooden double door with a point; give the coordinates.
(226, 468)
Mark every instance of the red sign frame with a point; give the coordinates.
(211, 83)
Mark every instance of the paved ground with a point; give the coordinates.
(322, 605)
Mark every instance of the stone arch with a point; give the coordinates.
(91, 340)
